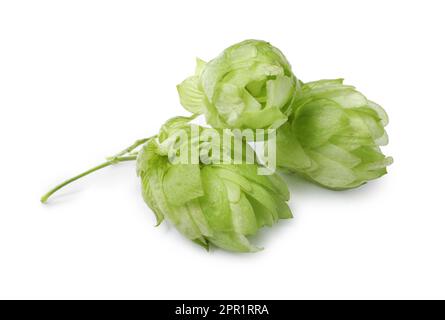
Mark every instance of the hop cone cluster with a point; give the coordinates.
(333, 136)
(327, 132)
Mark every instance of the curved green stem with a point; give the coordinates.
(129, 149)
(113, 160)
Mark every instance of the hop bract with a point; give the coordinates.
(334, 136)
(249, 85)
(219, 204)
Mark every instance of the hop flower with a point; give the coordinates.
(249, 85)
(219, 204)
(333, 136)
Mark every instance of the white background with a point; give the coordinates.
(79, 80)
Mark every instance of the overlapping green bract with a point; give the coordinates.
(333, 136)
(219, 204)
(249, 85)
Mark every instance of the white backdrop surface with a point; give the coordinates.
(79, 80)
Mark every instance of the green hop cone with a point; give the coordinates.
(219, 204)
(334, 136)
(249, 85)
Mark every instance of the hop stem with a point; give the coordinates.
(128, 154)
(129, 149)
(115, 160)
